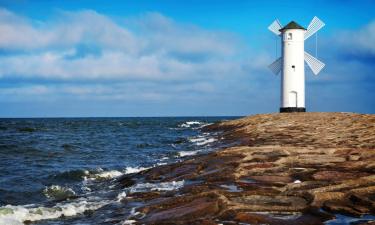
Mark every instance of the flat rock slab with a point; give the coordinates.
(198, 208)
(262, 203)
(292, 163)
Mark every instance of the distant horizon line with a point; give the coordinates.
(250, 114)
(82, 117)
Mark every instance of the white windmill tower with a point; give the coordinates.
(291, 63)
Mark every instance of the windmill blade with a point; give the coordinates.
(275, 67)
(315, 25)
(315, 65)
(275, 27)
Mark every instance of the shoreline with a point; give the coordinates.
(298, 168)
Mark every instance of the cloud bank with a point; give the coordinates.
(87, 45)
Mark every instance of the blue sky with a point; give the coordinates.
(175, 58)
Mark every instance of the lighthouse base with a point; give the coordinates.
(292, 109)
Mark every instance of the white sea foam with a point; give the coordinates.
(104, 175)
(127, 222)
(134, 169)
(202, 140)
(121, 196)
(198, 139)
(85, 185)
(207, 141)
(15, 215)
(108, 174)
(187, 153)
(193, 123)
(188, 124)
(164, 186)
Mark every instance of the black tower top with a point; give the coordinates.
(292, 25)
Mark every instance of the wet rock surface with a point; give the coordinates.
(292, 168)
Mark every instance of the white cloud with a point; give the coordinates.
(68, 30)
(87, 45)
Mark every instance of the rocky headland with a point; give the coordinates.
(289, 168)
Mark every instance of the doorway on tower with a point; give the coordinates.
(293, 99)
(292, 104)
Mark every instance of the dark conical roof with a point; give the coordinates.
(292, 25)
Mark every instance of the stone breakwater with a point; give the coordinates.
(295, 168)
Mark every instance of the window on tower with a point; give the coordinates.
(290, 36)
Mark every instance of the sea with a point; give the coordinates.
(63, 170)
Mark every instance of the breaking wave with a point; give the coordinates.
(17, 215)
(193, 124)
(101, 174)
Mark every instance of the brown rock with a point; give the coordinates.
(252, 218)
(259, 165)
(145, 195)
(332, 155)
(270, 203)
(189, 211)
(337, 175)
(272, 179)
(321, 197)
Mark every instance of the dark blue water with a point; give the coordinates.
(44, 160)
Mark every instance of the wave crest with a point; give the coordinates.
(15, 215)
(57, 192)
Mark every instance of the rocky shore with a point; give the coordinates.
(292, 168)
